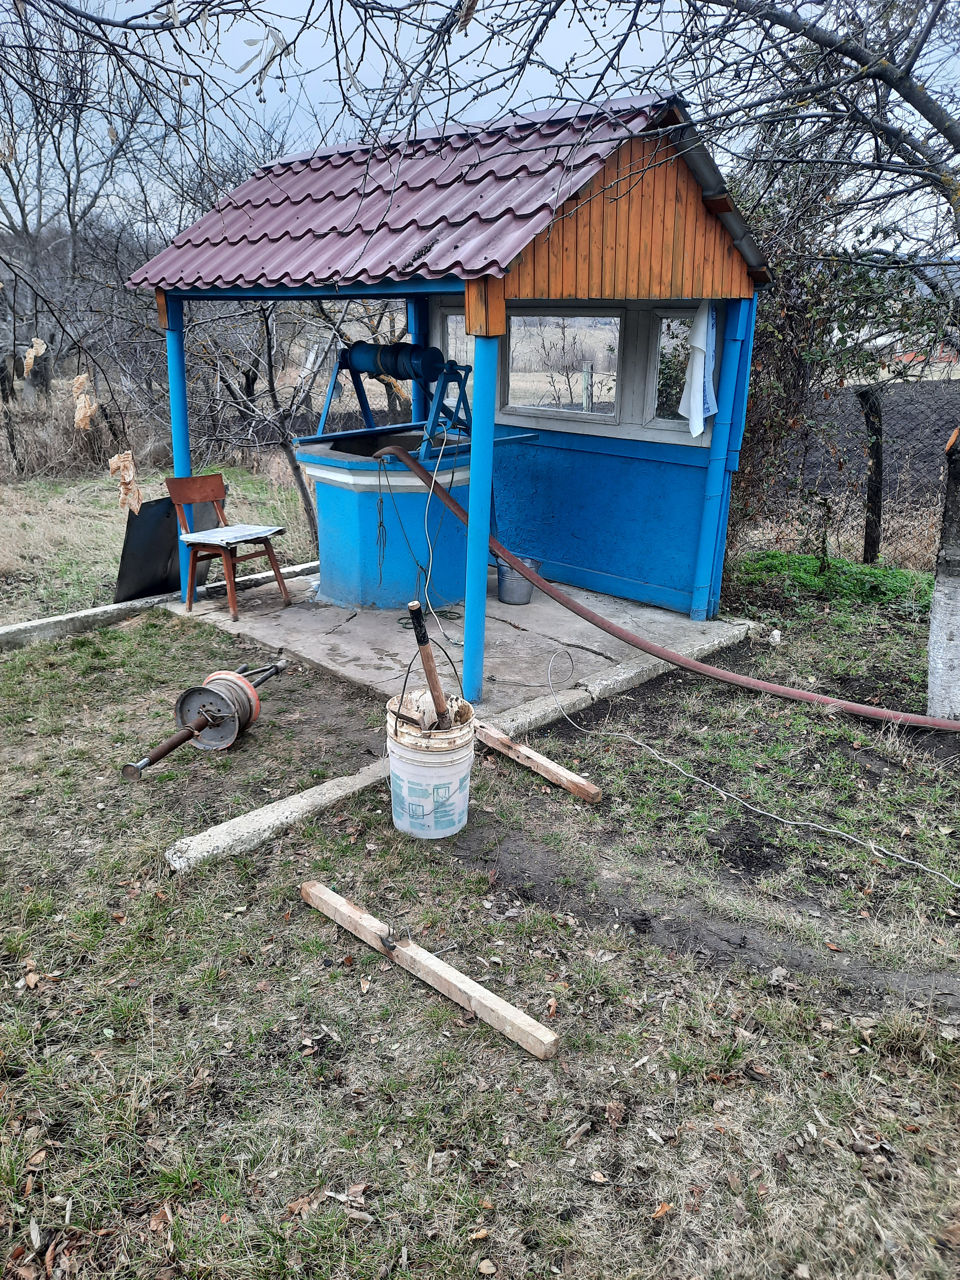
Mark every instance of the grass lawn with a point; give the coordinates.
(760, 1063)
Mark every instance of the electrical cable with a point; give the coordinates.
(871, 845)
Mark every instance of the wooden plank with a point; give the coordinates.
(595, 283)
(609, 199)
(742, 288)
(622, 207)
(567, 227)
(582, 218)
(474, 307)
(506, 1018)
(656, 222)
(511, 281)
(691, 200)
(162, 308)
(648, 182)
(525, 288)
(709, 239)
(679, 230)
(699, 218)
(496, 307)
(555, 259)
(719, 204)
(541, 266)
(484, 308)
(669, 220)
(634, 218)
(530, 759)
(728, 255)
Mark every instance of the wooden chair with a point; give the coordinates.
(208, 544)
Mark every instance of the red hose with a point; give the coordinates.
(647, 646)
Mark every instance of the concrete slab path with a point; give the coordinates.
(372, 647)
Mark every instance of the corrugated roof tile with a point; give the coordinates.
(463, 203)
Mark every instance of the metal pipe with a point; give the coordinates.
(478, 526)
(668, 655)
(737, 340)
(134, 772)
(179, 421)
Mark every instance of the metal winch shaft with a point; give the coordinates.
(212, 715)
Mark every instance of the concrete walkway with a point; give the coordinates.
(372, 647)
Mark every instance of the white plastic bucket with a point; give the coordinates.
(430, 773)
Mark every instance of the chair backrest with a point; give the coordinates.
(186, 489)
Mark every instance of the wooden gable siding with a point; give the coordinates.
(640, 230)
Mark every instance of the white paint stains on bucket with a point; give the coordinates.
(429, 770)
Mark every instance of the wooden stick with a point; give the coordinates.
(506, 1018)
(429, 666)
(530, 759)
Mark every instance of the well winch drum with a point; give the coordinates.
(230, 703)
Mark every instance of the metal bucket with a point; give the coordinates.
(512, 587)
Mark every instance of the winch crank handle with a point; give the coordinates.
(269, 673)
(429, 666)
(134, 772)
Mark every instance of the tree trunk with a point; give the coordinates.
(943, 646)
(872, 406)
(304, 492)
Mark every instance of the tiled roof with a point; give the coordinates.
(459, 203)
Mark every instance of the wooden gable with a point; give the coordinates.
(639, 231)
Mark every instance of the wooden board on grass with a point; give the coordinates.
(506, 1018)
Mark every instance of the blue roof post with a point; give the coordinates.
(485, 317)
(485, 353)
(712, 522)
(418, 327)
(737, 423)
(170, 310)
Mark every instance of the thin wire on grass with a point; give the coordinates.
(876, 849)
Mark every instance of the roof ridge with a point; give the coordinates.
(531, 120)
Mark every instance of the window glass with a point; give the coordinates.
(673, 352)
(458, 345)
(564, 363)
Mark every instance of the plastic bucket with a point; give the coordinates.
(430, 773)
(513, 587)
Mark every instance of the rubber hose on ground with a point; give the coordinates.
(656, 650)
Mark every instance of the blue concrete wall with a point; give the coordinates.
(618, 516)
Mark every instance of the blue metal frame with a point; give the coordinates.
(418, 329)
(486, 351)
(179, 422)
(399, 289)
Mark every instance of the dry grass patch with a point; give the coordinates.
(62, 539)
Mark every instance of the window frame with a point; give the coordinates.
(657, 316)
(635, 418)
(560, 416)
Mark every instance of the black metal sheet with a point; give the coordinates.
(149, 562)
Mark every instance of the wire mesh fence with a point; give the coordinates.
(814, 492)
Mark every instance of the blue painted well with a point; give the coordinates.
(364, 511)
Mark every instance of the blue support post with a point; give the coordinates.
(737, 423)
(179, 424)
(736, 329)
(418, 328)
(478, 526)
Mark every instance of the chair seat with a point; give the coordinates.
(230, 535)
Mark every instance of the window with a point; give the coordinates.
(673, 353)
(563, 363)
(457, 344)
